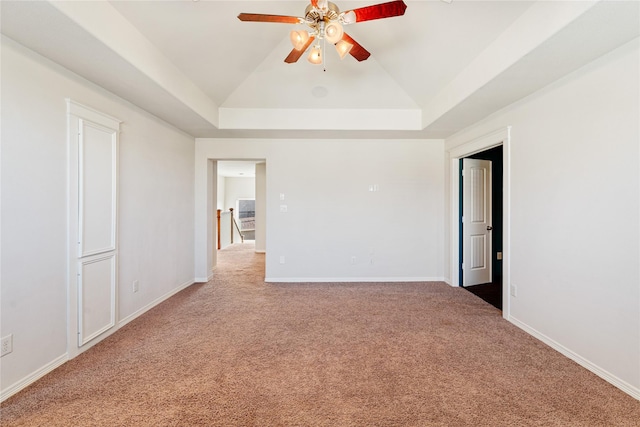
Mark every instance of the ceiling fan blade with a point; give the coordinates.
(379, 11)
(295, 54)
(357, 51)
(314, 3)
(259, 17)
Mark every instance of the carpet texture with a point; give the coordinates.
(239, 352)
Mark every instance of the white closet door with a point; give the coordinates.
(93, 223)
(476, 224)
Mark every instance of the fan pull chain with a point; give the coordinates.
(324, 51)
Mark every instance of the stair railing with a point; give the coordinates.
(234, 223)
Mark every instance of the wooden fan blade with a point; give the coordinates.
(314, 3)
(295, 54)
(379, 11)
(259, 17)
(357, 51)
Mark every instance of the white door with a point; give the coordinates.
(476, 222)
(93, 152)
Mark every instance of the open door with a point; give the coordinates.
(476, 222)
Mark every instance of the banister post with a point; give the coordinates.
(231, 210)
(218, 229)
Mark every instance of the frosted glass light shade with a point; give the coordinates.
(298, 39)
(315, 55)
(333, 32)
(343, 48)
(348, 17)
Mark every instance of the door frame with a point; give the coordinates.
(491, 140)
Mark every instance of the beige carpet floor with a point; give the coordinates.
(239, 352)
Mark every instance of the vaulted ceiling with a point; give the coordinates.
(432, 72)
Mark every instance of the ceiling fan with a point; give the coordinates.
(325, 22)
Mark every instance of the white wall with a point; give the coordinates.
(331, 214)
(238, 188)
(220, 195)
(574, 178)
(156, 209)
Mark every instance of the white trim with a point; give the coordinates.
(204, 279)
(154, 303)
(33, 377)
(261, 251)
(494, 139)
(482, 143)
(334, 119)
(605, 375)
(351, 279)
(92, 115)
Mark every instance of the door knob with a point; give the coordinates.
(489, 228)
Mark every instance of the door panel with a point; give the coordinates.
(476, 224)
(478, 252)
(97, 290)
(97, 192)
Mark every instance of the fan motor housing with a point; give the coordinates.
(314, 15)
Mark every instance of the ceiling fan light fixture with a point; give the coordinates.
(325, 21)
(333, 32)
(298, 39)
(315, 55)
(343, 48)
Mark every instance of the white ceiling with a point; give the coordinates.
(238, 168)
(433, 71)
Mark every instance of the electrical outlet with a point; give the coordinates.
(514, 291)
(353, 260)
(6, 345)
(281, 259)
(136, 286)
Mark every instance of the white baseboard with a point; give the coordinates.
(350, 279)
(203, 279)
(602, 373)
(155, 302)
(33, 377)
(261, 251)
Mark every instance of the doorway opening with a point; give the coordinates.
(239, 196)
(500, 137)
(489, 286)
